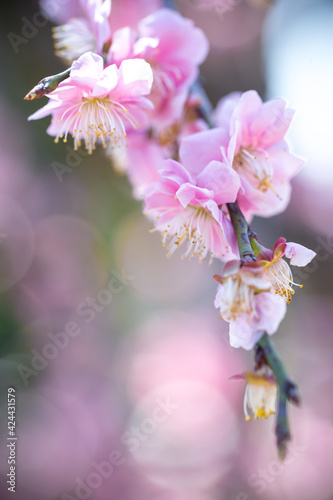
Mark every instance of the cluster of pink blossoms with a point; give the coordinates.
(131, 89)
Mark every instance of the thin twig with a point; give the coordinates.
(242, 229)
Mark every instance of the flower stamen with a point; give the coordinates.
(95, 120)
(279, 274)
(254, 165)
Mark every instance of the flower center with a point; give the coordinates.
(253, 164)
(95, 120)
(279, 274)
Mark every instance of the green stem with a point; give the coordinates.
(46, 85)
(287, 391)
(242, 230)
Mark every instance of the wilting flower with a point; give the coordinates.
(260, 393)
(96, 105)
(185, 208)
(276, 269)
(252, 137)
(245, 301)
(174, 48)
(89, 32)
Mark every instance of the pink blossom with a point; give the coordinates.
(276, 269)
(90, 31)
(174, 48)
(245, 301)
(257, 149)
(97, 105)
(185, 208)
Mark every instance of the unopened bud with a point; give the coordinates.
(46, 85)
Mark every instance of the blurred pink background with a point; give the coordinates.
(120, 363)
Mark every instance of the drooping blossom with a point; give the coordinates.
(260, 393)
(257, 148)
(88, 32)
(174, 48)
(277, 270)
(97, 105)
(185, 208)
(245, 301)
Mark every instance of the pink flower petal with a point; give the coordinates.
(242, 335)
(272, 309)
(265, 204)
(136, 76)
(46, 110)
(245, 111)
(86, 70)
(221, 179)
(279, 247)
(66, 92)
(230, 268)
(285, 164)
(197, 150)
(271, 123)
(174, 171)
(106, 82)
(245, 333)
(298, 254)
(225, 108)
(179, 39)
(187, 193)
